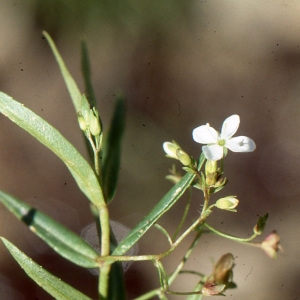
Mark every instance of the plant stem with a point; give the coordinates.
(150, 295)
(231, 237)
(105, 251)
(200, 220)
(206, 199)
(164, 232)
(185, 258)
(186, 210)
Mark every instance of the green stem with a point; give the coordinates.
(96, 149)
(103, 212)
(185, 213)
(150, 294)
(199, 221)
(185, 258)
(105, 251)
(162, 275)
(231, 237)
(206, 199)
(103, 285)
(164, 232)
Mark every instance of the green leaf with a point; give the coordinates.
(53, 139)
(116, 279)
(162, 207)
(86, 70)
(58, 237)
(159, 209)
(111, 154)
(80, 103)
(50, 283)
(116, 275)
(85, 66)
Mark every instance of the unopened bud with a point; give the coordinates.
(95, 127)
(227, 203)
(171, 149)
(183, 157)
(211, 167)
(271, 244)
(223, 269)
(260, 226)
(82, 122)
(211, 172)
(211, 289)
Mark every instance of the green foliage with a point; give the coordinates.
(111, 154)
(86, 71)
(99, 184)
(50, 283)
(80, 102)
(59, 238)
(50, 137)
(159, 209)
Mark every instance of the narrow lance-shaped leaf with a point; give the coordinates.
(50, 283)
(163, 206)
(80, 102)
(85, 66)
(58, 237)
(111, 155)
(53, 139)
(160, 208)
(86, 70)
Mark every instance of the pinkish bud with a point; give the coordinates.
(271, 244)
(210, 289)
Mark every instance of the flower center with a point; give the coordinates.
(221, 142)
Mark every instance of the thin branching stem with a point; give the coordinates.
(185, 213)
(230, 237)
(185, 258)
(164, 232)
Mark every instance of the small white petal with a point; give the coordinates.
(205, 135)
(230, 126)
(240, 144)
(170, 149)
(213, 152)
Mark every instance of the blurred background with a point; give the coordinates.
(180, 64)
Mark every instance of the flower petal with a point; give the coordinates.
(205, 134)
(213, 152)
(170, 149)
(230, 126)
(240, 144)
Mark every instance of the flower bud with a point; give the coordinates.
(183, 157)
(221, 276)
(223, 269)
(211, 167)
(95, 127)
(82, 122)
(211, 172)
(260, 226)
(210, 289)
(171, 149)
(227, 203)
(271, 244)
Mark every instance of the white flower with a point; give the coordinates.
(217, 144)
